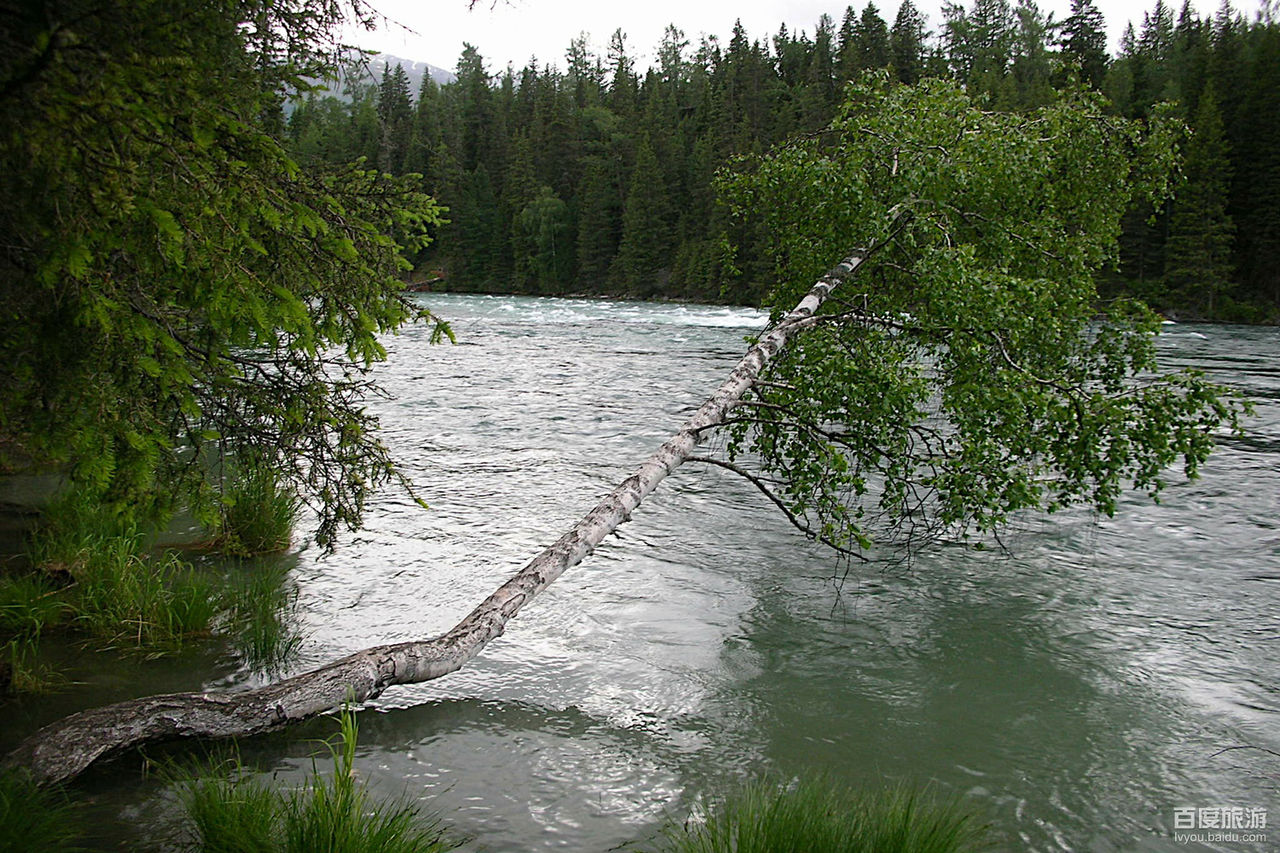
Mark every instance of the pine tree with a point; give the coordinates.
(1198, 266)
(643, 262)
(906, 43)
(1084, 41)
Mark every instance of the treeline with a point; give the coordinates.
(599, 178)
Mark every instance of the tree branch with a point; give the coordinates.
(797, 522)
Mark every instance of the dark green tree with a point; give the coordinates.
(1198, 254)
(545, 242)
(873, 39)
(395, 119)
(599, 224)
(1083, 39)
(907, 43)
(172, 279)
(1031, 67)
(644, 254)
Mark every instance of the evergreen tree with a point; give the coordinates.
(395, 119)
(643, 262)
(623, 86)
(907, 43)
(174, 283)
(873, 39)
(1198, 255)
(847, 49)
(1258, 193)
(1084, 41)
(1031, 68)
(599, 224)
(426, 141)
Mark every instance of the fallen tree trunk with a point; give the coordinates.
(64, 749)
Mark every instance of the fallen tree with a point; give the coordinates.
(962, 375)
(66, 748)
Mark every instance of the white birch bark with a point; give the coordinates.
(64, 749)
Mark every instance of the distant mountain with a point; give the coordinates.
(414, 69)
(372, 72)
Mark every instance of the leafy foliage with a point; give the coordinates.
(171, 277)
(963, 375)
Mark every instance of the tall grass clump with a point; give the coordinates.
(333, 813)
(34, 818)
(153, 603)
(258, 512)
(113, 590)
(21, 670)
(812, 816)
(256, 602)
(30, 603)
(77, 527)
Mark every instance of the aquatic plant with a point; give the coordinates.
(256, 601)
(34, 818)
(257, 511)
(814, 816)
(157, 603)
(332, 813)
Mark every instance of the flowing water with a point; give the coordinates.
(1078, 689)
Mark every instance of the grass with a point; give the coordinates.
(157, 604)
(255, 603)
(30, 603)
(33, 818)
(812, 816)
(21, 670)
(333, 813)
(93, 575)
(258, 513)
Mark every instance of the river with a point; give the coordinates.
(1078, 689)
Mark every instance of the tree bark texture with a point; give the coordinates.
(64, 749)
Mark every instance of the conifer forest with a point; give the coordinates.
(593, 175)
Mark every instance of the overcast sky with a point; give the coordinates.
(512, 31)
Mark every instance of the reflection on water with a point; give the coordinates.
(1078, 688)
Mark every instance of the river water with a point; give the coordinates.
(1078, 689)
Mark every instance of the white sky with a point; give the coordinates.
(512, 31)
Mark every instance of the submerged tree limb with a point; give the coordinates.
(64, 749)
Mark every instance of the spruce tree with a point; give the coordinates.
(395, 119)
(643, 261)
(1084, 41)
(906, 43)
(1198, 267)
